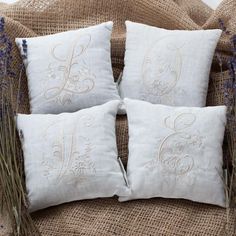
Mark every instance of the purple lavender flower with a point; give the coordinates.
(222, 26)
(6, 71)
(5, 52)
(233, 40)
(232, 68)
(24, 45)
(230, 83)
(25, 49)
(2, 23)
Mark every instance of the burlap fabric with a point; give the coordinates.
(153, 218)
(29, 18)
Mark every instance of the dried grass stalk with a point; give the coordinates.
(12, 174)
(14, 199)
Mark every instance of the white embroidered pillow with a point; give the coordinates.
(175, 152)
(69, 71)
(169, 67)
(71, 156)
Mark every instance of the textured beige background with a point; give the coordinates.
(211, 3)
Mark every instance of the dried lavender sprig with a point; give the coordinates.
(5, 52)
(223, 27)
(229, 99)
(11, 156)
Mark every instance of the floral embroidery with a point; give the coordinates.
(161, 71)
(71, 155)
(73, 74)
(167, 99)
(175, 152)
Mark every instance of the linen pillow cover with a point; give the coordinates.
(168, 67)
(175, 152)
(71, 156)
(69, 71)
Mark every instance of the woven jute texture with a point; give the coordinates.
(137, 218)
(29, 18)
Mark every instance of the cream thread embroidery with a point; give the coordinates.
(69, 161)
(71, 83)
(173, 152)
(167, 99)
(160, 75)
(87, 120)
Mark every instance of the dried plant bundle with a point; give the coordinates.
(14, 199)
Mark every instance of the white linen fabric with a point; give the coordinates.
(175, 152)
(212, 3)
(169, 67)
(71, 156)
(69, 71)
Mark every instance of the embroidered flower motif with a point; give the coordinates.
(175, 152)
(160, 74)
(70, 156)
(72, 75)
